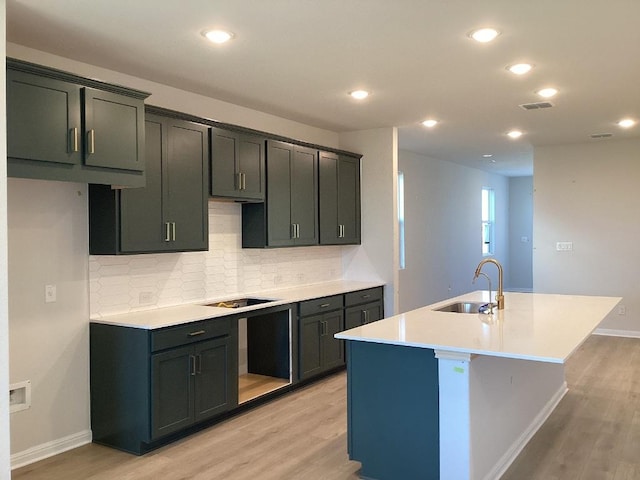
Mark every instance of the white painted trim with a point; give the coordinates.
(617, 333)
(49, 449)
(511, 454)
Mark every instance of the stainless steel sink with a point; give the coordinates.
(463, 307)
(240, 302)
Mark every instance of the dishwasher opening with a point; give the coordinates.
(264, 354)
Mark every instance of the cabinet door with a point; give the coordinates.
(141, 222)
(43, 119)
(251, 158)
(114, 130)
(185, 186)
(224, 178)
(349, 199)
(172, 388)
(362, 314)
(279, 225)
(328, 204)
(310, 347)
(332, 348)
(216, 386)
(304, 195)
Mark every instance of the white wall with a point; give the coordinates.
(49, 234)
(443, 229)
(49, 342)
(588, 194)
(520, 233)
(5, 470)
(377, 257)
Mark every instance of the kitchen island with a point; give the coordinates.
(456, 396)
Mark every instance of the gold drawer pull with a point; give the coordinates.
(199, 332)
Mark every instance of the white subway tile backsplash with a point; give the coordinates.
(167, 279)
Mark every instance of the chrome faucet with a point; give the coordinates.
(500, 294)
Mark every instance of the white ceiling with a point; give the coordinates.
(299, 58)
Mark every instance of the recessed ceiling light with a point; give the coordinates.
(547, 92)
(515, 134)
(218, 35)
(520, 68)
(359, 94)
(626, 123)
(484, 35)
(487, 155)
(430, 123)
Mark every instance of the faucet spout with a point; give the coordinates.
(500, 293)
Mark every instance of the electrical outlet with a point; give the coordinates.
(564, 246)
(50, 294)
(622, 310)
(145, 297)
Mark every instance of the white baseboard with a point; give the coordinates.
(510, 455)
(617, 333)
(49, 449)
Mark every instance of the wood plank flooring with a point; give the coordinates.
(251, 385)
(594, 433)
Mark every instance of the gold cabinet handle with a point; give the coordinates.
(244, 181)
(91, 135)
(238, 181)
(192, 361)
(167, 232)
(74, 139)
(195, 334)
(173, 230)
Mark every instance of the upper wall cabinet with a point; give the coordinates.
(64, 127)
(170, 213)
(289, 216)
(339, 200)
(237, 166)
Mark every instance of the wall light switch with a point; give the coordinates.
(50, 294)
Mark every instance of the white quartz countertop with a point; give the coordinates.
(532, 326)
(180, 314)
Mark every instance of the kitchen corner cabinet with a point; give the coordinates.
(237, 166)
(319, 320)
(289, 216)
(339, 199)
(362, 307)
(60, 128)
(170, 213)
(149, 384)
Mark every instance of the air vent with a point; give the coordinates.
(536, 106)
(601, 135)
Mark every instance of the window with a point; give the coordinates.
(488, 221)
(401, 218)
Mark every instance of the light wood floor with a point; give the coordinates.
(594, 433)
(251, 385)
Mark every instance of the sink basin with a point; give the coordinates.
(240, 302)
(463, 307)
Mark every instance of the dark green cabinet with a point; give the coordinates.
(318, 350)
(237, 165)
(362, 307)
(170, 212)
(149, 384)
(339, 199)
(63, 130)
(191, 384)
(289, 216)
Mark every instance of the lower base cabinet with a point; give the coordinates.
(318, 350)
(362, 307)
(149, 384)
(191, 384)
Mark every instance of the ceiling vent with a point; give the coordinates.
(536, 105)
(601, 135)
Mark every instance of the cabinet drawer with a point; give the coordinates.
(363, 296)
(320, 305)
(189, 333)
